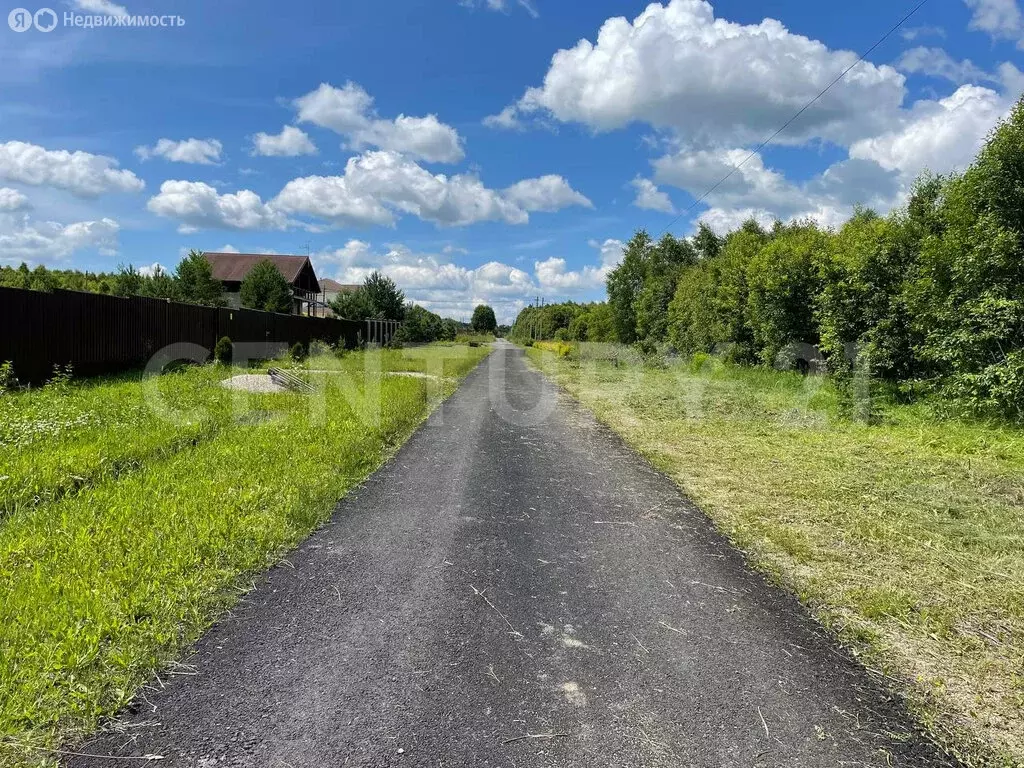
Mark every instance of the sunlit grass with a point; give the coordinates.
(102, 586)
(906, 536)
(60, 438)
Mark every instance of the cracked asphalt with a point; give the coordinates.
(516, 588)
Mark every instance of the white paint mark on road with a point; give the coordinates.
(569, 639)
(573, 694)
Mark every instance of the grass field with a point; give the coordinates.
(906, 536)
(125, 535)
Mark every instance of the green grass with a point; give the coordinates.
(471, 337)
(102, 586)
(905, 536)
(62, 438)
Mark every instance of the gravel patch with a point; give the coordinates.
(253, 382)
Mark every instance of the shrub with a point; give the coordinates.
(222, 352)
(62, 375)
(560, 348)
(318, 348)
(7, 378)
(562, 334)
(298, 352)
(420, 325)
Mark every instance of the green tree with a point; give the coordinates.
(449, 330)
(160, 285)
(579, 328)
(377, 298)
(967, 299)
(784, 281)
(195, 281)
(600, 323)
(420, 325)
(484, 320)
(42, 279)
(624, 284)
(665, 263)
(22, 277)
(265, 289)
(127, 281)
(710, 306)
(696, 317)
(863, 297)
(706, 243)
(387, 301)
(354, 305)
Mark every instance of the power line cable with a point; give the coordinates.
(793, 119)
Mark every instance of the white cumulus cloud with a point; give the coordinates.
(650, 197)
(290, 142)
(1001, 19)
(11, 200)
(940, 136)
(937, 63)
(80, 173)
(22, 239)
(507, 119)
(545, 193)
(677, 67)
(197, 205)
(349, 111)
(196, 151)
(763, 193)
(553, 274)
(379, 185)
(610, 251)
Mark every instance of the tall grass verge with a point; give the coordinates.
(61, 438)
(905, 535)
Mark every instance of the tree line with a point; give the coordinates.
(930, 297)
(192, 282)
(380, 298)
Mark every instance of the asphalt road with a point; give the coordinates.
(516, 588)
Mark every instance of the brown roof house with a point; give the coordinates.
(231, 268)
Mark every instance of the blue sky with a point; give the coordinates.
(483, 150)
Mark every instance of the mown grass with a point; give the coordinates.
(906, 536)
(103, 586)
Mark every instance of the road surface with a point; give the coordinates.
(516, 588)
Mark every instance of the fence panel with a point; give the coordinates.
(95, 333)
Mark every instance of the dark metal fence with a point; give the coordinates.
(95, 333)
